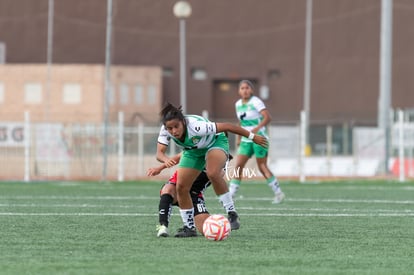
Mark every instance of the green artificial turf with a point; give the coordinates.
(343, 227)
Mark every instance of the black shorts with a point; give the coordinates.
(196, 192)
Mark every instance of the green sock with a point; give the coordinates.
(271, 180)
(235, 181)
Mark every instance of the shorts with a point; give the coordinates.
(196, 192)
(250, 148)
(196, 158)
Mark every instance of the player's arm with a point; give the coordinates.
(265, 121)
(162, 156)
(224, 126)
(153, 171)
(238, 139)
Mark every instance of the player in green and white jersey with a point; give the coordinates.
(205, 145)
(254, 117)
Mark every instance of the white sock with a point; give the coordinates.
(187, 215)
(275, 187)
(233, 188)
(227, 202)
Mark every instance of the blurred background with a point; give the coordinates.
(82, 82)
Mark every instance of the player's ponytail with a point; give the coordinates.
(170, 112)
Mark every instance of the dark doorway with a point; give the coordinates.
(225, 95)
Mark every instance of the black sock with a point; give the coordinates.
(165, 208)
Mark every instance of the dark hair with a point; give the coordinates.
(170, 112)
(248, 82)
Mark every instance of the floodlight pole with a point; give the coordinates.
(183, 86)
(49, 56)
(385, 76)
(307, 80)
(107, 88)
(182, 10)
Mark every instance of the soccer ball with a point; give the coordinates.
(216, 228)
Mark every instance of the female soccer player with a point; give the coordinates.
(168, 198)
(205, 145)
(254, 117)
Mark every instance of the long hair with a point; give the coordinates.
(170, 112)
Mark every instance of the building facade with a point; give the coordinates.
(227, 41)
(75, 93)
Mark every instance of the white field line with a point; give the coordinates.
(333, 200)
(207, 198)
(83, 205)
(279, 209)
(326, 209)
(250, 214)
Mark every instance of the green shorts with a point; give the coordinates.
(196, 158)
(250, 148)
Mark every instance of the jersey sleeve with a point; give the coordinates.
(258, 104)
(163, 136)
(203, 128)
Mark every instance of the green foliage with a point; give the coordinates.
(344, 227)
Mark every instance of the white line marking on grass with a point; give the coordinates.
(325, 209)
(79, 197)
(250, 214)
(332, 200)
(332, 215)
(353, 201)
(83, 205)
(79, 214)
(207, 198)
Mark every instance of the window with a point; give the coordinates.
(1, 92)
(124, 94)
(33, 93)
(273, 74)
(167, 72)
(72, 93)
(152, 94)
(138, 95)
(199, 73)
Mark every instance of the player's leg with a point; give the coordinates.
(244, 152)
(215, 161)
(190, 167)
(200, 210)
(261, 159)
(167, 198)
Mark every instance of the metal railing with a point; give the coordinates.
(50, 151)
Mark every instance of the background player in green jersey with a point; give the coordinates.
(254, 117)
(204, 144)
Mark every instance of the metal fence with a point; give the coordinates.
(57, 151)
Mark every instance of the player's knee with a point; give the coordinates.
(182, 189)
(215, 176)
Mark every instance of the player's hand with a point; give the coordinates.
(261, 140)
(154, 171)
(170, 163)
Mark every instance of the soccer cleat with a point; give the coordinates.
(234, 220)
(279, 196)
(186, 232)
(162, 231)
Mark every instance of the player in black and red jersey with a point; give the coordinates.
(168, 198)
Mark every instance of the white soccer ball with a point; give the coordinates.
(216, 228)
